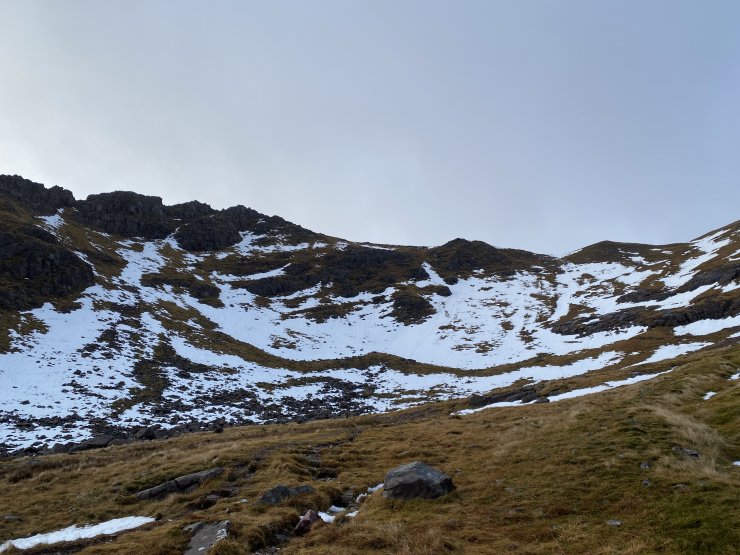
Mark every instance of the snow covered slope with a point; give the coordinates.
(191, 316)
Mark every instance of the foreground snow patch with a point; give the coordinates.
(73, 533)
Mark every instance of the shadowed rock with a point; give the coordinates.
(416, 480)
(182, 484)
(280, 493)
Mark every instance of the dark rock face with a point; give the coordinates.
(222, 229)
(34, 197)
(280, 493)
(461, 256)
(34, 267)
(416, 480)
(179, 485)
(125, 213)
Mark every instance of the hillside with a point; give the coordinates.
(585, 404)
(122, 315)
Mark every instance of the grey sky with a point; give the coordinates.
(544, 125)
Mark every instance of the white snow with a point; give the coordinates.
(568, 394)
(731, 286)
(736, 463)
(705, 327)
(735, 376)
(326, 517)
(54, 222)
(708, 247)
(73, 533)
(709, 394)
(666, 352)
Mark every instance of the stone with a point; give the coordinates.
(280, 493)
(205, 536)
(416, 480)
(96, 442)
(615, 523)
(686, 452)
(181, 484)
(645, 465)
(307, 521)
(11, 518)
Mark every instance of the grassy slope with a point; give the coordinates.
(538, 479)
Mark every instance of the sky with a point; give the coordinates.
(536, 124)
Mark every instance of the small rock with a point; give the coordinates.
(416, 480)
(11, 518)
(615, 523)
(646, 483)
(645, 465)
(683, 488)
(304, 525)
(686, 452)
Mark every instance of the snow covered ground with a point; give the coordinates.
(81, 364)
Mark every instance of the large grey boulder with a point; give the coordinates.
(416, 480)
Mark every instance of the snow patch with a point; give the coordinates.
(73, 533)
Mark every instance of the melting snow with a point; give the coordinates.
(705, 327)
(568, 394)
(666, 352)
(76, 533)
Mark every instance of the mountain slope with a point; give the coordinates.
(121, 313)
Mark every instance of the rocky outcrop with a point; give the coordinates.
(34, 267)
(34, 197)
(182, 484)
(416, 480)
(128, 214)
(460, 257)
(223, 229)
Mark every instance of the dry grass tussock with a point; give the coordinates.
(538, 479)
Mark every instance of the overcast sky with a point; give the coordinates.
(544, 125)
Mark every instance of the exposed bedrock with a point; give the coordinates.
(35, 268)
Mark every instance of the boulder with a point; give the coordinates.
(182, 484)
(416, 480)
(280, 493)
